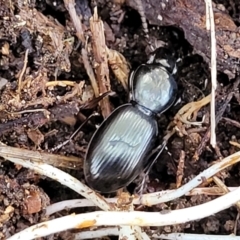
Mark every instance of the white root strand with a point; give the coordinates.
(113, 231)
(165, 196)
(156, 198)
(100, 218)
(126, 231)
(78, 203)
(125, 219)
(147, 199)
(72, 183)
(69, 204)
(65, 179)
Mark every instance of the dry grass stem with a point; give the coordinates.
(22, 73)
(236, 144)
(210, 22)
(40, 157)
(225, 189)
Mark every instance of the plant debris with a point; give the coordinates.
(65, 67)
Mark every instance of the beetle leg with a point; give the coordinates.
(185, 113)
(147, 169)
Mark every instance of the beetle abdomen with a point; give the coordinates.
(119, 149)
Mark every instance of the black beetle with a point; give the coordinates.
(121, 146)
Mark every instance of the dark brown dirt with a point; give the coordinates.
(50, 59)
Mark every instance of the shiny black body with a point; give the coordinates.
(121, 146)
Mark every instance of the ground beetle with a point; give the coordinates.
(120, 148)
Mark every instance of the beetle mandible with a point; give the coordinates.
(121, 146)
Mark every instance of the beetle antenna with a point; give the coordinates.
(74, 134)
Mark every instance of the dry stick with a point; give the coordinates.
(45, 112)
(119, 66)
(236, 224)
(101, 60)
(70, 6)
(207, 15)
(60, 83)
(235, 144)
(213, 70)
(90, 72)
(79, 32)
(134, 218)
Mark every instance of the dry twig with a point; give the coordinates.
(232, 122)
(70, 6)
(101, 60)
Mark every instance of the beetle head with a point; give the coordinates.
(165, 58)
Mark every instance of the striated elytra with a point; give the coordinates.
(121, 146)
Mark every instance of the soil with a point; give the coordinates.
(34, 30)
